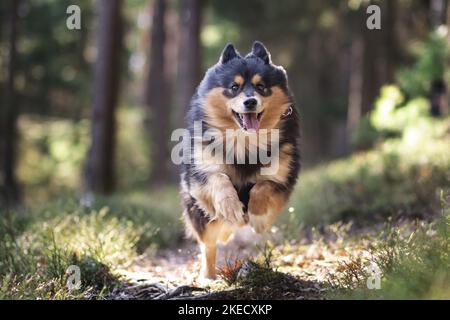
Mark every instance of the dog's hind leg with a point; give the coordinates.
(208, 245)
(225, 234)
(207, 232)
(208, 268)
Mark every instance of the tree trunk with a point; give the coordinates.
(438, 88)
(189, 53)
(8, 120)
(355, 97)
(391, 40)
(171, 47)
(447, 19)
(157, 98)
(437, 11)
(369, 70)
(100, 176)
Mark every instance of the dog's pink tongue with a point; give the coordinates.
(250, 121)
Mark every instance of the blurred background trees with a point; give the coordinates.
(157, 94)
(100, 173)
(9, 113)
(97, 105)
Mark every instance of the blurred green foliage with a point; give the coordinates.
(392, 114)
(53, 67)
(54, 64)
(401, 175)
(406, 104)
(431, 58)
(53, 152)
(52, 155)
(216, 32)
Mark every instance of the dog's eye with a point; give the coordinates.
(234, 87)
(260, 87)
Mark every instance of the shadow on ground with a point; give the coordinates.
(270, 285)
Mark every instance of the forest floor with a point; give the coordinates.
(290, 270)
(331, 261)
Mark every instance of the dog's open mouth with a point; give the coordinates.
(249, 121)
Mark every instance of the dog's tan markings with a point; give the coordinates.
(216, 230)
(239, 80)
(218, 109)
(256, 79)
(274, 106)
(263, 209)
(218, 114)
(265, 204)
(225, 233)
(208, 241)
(265, 199)
(208, 262)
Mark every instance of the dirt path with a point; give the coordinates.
(298, 270)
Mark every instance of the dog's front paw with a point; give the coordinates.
(258, 207)
(260, 199)
(260, 223)
(206, 276)
(264, 205)
(230, 208)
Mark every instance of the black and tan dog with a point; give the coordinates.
(244, 94)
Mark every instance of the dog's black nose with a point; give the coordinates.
(250, 103)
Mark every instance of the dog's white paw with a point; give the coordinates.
(203, 281)
(260, 223)
(231, 209)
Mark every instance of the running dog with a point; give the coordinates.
(239, 98)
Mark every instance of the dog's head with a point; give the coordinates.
(248, 93)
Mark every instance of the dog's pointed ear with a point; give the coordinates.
(260, 51)
(228, 53)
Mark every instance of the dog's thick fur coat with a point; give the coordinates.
(246, 94)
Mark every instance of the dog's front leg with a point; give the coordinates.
(265, 204)
(218, 197)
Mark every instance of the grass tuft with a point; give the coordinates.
(34, 261)
(413, 263)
